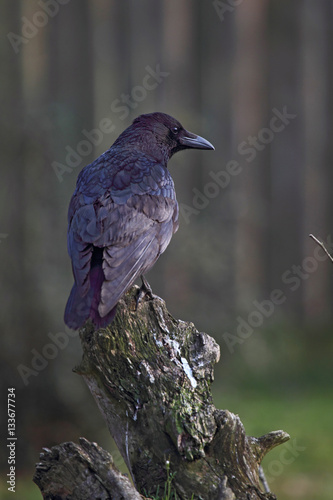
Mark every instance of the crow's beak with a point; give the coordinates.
(189, 140)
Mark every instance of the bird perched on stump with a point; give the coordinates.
(122, 215)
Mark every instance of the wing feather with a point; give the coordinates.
(142, 253)
(132, 235)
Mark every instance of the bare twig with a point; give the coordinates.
(321, 244)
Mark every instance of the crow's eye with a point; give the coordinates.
(175, 130)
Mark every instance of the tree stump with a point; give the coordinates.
(150, 376)
(82, 472)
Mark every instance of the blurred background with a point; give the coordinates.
(254, 78)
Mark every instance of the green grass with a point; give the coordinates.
(168, 493)
(25, 490)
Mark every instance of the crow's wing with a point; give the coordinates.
(133, 225)
(146, 227)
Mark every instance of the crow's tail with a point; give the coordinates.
(80, 308)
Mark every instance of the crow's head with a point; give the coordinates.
(161, 135)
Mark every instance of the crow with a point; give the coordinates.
(122, 216)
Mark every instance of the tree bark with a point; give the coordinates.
(150, 376)
(84, 472)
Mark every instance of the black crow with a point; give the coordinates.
(122, 215)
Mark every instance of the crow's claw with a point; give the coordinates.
(145, 290)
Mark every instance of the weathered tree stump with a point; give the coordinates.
(85, 472)
(150, 376)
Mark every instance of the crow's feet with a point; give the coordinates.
(145, 290)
